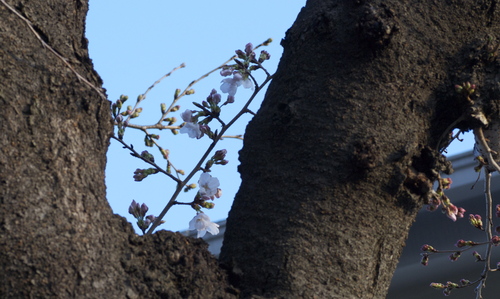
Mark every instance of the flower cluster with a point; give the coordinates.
(195, 125)
(240, 71)
(449, 286)
(239, 74)
(139, 212)
(462, 244)
(141, 174)
(230, 85)
(476, 221)
(209, 190)
(218, 158)
(118, 117)
(438, 198)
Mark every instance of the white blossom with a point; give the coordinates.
(230, 85)
(209, 186)
(191, 128)
(201, 222)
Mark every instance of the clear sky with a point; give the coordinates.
(134, 43)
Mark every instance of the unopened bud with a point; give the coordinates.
(209, 164)
(220, 154)
(437, 285)
(189, 92)
(147, 156)
(163, 108)
(208, 205)
(240, 54)
(425, 259)
(267, 42)
(476, 221)
(454, 256)
(446, 183)
(264, 55)
(477, 256)
(464, 282)
(165, 153)
(248, 49)
(428, 248)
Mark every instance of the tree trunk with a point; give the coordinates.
(335, 166)
(344, 150)
(58, 235)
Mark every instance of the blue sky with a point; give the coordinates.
(134, 43)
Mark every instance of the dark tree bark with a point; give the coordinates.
(58, 235)
(344, 149)
(335, 165)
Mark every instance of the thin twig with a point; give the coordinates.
(480, 136)
(488, 227)
(182, 65)
(136, 154)
(178, 97)
(142, 97)
(155, 126)
(45, 45)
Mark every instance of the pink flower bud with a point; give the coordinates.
(477, 256)
(446, 183)
(460, 243)
(425, 259)
(454, 256)
(428, 248)
(144, 209)
(248, 49)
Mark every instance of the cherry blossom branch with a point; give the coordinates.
(489, 236)
(180, 185)
(136, 154)
(240, 137)
(177, 97)
(142, 97)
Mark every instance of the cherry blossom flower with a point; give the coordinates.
(230, 85)
(201, 222)
(209, 186)
(190, 127)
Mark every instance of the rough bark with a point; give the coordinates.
(344, 149)
(58, 236)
